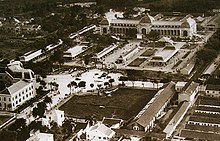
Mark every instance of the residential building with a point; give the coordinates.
(99, 132)
(145, 120)
(212, 90)
(37, 136)
(56, 116)
(17, 94)
(180, 27)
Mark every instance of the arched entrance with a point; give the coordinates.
(185, 33)
(104, 30)
(144, 31)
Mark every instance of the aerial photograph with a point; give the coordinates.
(109, 70)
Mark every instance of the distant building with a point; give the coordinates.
(74, 52)
(37, 136)
(212, 90)
(167, 26)
(112, 123)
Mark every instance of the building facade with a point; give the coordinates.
(167, 26)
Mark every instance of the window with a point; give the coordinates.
(23, 97)
(9, 99)
(0, 98)
(16, 102)
(26, 75)
(20, 100)
(16, 97)
(26, 90)
(4, 98)
(13, 104)
(99, 137)
(20, 94)
(26, 95)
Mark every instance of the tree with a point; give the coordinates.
(91, 85)
(111, 81)
(153, 36)
(206, 55)
(18, 124)
(82, 84)
(106, 84)
(48, 100)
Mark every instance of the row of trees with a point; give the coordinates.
(210, 50)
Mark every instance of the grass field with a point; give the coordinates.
(124, 103)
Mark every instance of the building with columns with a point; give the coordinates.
(179, 27)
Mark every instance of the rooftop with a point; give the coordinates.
(213, 87)
(149, 114)
(15, 87)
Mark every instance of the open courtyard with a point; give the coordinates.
(123, 103)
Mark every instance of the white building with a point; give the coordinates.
(179, 86)
(56, 116)
(73, 52)
(190, 93)
(17, 94)
(37, 136)
(99, 132)
(184, 27)
(16, 72)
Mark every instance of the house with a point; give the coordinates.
(56, 116)
(212, 90)
(37, 136)
(190, 93)
(180, 27)
(99, 132)
(179, 86)
(145, 120)
(17, 94)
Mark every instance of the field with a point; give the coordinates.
(124, 103)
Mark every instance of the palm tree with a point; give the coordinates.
(111, 81)
(69, 86)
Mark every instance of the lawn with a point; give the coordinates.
(137, 62)
(124, 103)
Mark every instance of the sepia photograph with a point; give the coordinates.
(109, 70)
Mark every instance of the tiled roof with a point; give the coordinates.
(154, 108)
(200, 135)
(15, 87)
(213, 87)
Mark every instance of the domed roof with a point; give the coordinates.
(147, 19)
(104, 22)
